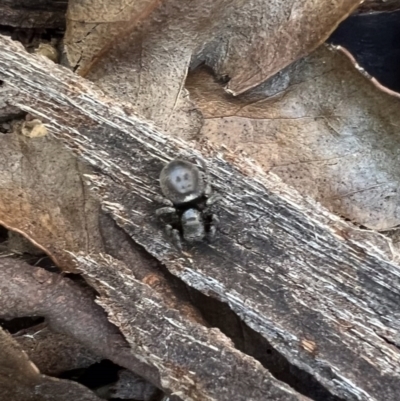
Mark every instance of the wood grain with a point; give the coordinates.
(325, 294)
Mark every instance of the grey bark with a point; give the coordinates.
(324, 294)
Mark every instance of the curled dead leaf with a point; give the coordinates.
(322, 127)
(143, 57)
(93, 25)
(20, 379)
(49, 51)
(33, 129)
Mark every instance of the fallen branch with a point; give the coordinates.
(323, 293)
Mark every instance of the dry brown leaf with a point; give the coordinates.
(148, 68)
(20, 379)
(93, 24)
(43, 197)
(258, 39)
(378, 5)
(68, 308)
(249, 41)
(322, 127)
(54, 353)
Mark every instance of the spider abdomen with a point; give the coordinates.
(193, 225)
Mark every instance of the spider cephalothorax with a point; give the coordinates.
(188, 196)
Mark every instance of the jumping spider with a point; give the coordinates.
(188, 197)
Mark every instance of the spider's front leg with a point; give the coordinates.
(208, 192)
(173, 233)
(205, 176)
(212, 198)
(169, 207)
(164, 201)
(170, 210)
(166, 210)
(213, 227)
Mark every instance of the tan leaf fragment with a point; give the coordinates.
(248, 41)
(322, 127)
(20, 379)
(43, 197)
(92, 25)
(33, 129)
(54, 353)
(258, 39)
(48, 50)
(368, 6)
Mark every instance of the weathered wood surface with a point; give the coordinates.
(194, 362)
(184, 358)
(325, 294)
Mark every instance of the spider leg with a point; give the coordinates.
(212, 199)
(202, 162)
(164, 201)
(174, 234)
(165, 210)
(213, 226)
(208, 188)
(206, 176)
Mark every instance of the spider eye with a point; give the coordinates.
(186, 176)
